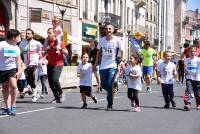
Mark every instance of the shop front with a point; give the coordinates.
(89, 33)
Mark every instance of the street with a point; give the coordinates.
(43, 117)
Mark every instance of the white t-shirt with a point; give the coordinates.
(8, 56)
(109, 50)
(30, 50)
(167, 72)
(134, 83)
(85, 71)
(193, 68)
(42, 67)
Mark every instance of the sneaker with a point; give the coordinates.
(13, 111)
(6, 111)
(192, 95)
(137, 109)
(35, 98)
(22, 95)
(62, 97)
(84, 106)
(100, 89)
(149, 90)
(187, 107)
(132, 104)
(42, 96)
(109, 109)
(166, 106)
(54, 101)
(173, 104)
(198, 107)
(94, 98)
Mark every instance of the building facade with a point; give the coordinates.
(192, 26)
(166, 25)
(151, 21)
(179, 24)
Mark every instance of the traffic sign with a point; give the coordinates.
(138, 35)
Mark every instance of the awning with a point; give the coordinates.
(70, 39)
(75, 40)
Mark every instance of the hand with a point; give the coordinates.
(58, 48)
(17, 76)
(94, 68)
(158, 81)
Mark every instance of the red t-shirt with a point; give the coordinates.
(186, 53)
(55, 59)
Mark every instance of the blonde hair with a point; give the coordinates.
(166, 52)
(56, 20)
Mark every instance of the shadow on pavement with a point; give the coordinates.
(156, 107)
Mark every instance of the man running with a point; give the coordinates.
(109, 49)
(148, 54)
(31, 49)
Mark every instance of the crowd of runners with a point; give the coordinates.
(21, 60)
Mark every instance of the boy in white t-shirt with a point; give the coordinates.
(166, 76)
(192, 72)
(84, 71)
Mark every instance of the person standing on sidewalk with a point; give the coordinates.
(31, 50)
(167, 75)
(55, 65)
(192, 72)
(84, 71)
(109, 51)
(10, 69)
(148, 55)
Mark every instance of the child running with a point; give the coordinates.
(192, 72)
(84, 71)
(22, 83)
(134, 74)
(166, 76)
(42, 72)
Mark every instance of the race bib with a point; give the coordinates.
(9, 52)
(108, 51)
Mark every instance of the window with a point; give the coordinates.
(128, 15)
(35, 14)
(114, 7)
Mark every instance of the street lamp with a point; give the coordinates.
(128, 31)
(62, 8)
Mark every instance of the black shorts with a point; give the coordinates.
(21, 84)
(5, 75)
(86, 90)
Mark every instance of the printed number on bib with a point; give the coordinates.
(9, 52)
(108, 51)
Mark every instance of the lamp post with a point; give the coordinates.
(62, 10)
(128, 31)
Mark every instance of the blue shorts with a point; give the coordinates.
(147, 70)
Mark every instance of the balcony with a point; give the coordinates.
(111, 18)
(140, 3)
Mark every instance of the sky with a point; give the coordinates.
(193, 5)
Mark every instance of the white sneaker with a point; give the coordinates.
(42, 96)
(137, 109)
(62, 97)
(35, 98)
(192, 95)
